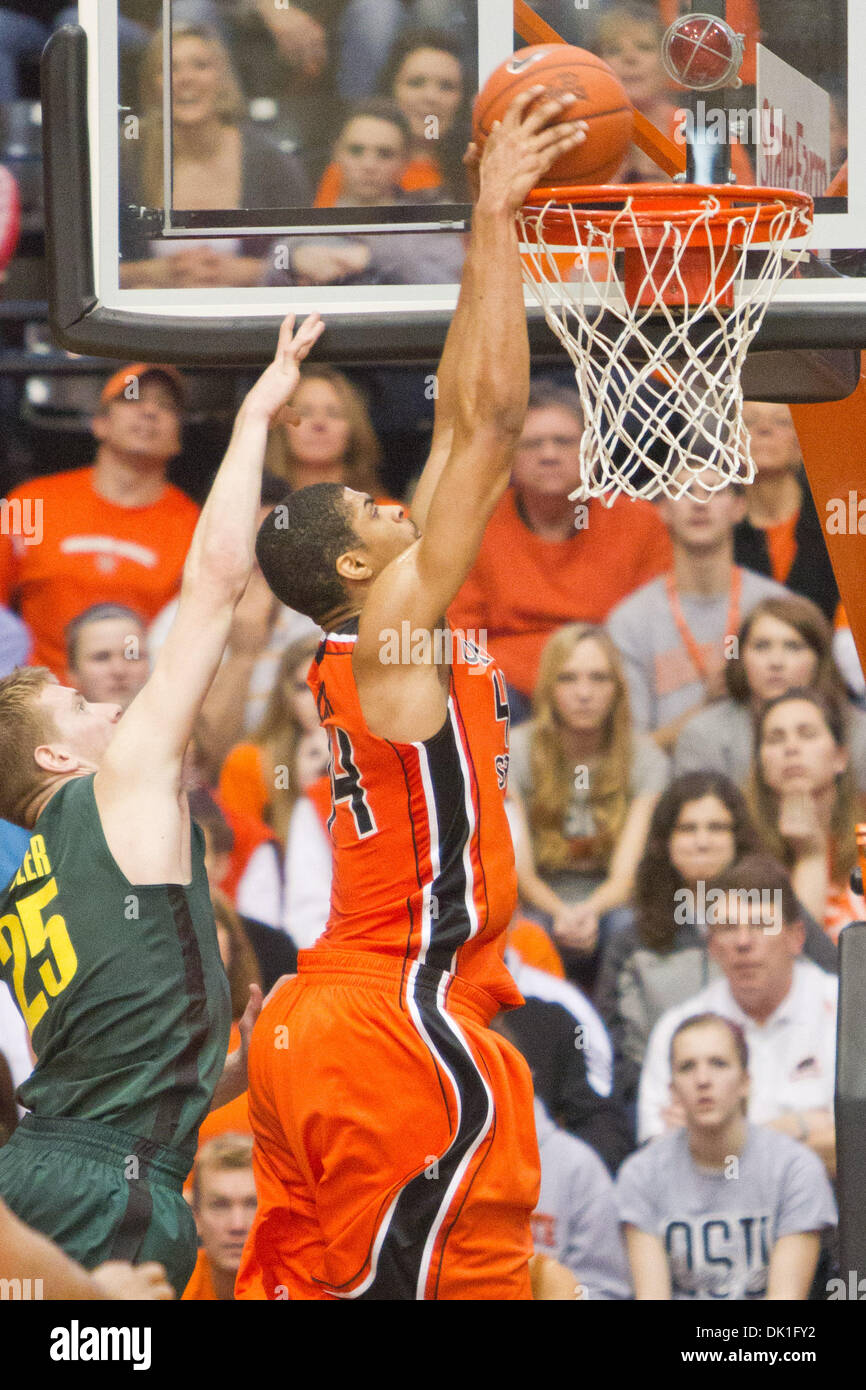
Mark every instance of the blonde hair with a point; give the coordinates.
(363, 452)
(230, 104)
(24, 725)
(614, 22)
(553, 778)
(279, 733)
(225, 1152)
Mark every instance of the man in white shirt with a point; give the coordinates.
(785, 1006)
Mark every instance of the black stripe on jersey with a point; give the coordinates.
(476, 803)
(186, 1064)
(136, 1219)
(458, 1210)
(418, 877)
(451, 926)
(409, 908)
(419, 1207)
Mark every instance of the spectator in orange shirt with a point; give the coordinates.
(106, 654)
(116, 532)
(546, 561)
(426, 77)
(224, 1204)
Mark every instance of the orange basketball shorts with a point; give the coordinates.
(395, 1151)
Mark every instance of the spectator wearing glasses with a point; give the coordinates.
(545, 561)
(786, 1007)
(700, 827)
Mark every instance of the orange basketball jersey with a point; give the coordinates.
(423, 857)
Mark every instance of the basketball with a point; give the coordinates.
(600, 100)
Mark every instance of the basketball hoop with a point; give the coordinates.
(657, 316)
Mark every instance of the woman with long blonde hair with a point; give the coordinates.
(334, 441)
(219, 161)
(585, 784)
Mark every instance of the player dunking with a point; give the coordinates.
(395, 1146)
(107, 935)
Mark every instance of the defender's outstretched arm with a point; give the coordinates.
(154, 732)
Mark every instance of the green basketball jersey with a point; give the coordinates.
(121, 986)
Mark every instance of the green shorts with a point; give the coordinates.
(101, 1194)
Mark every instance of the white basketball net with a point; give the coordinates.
(660, 408)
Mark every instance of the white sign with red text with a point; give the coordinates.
(794, 126)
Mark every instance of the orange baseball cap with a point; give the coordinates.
(117, 385)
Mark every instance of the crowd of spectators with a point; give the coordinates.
(679, 730)
(687, 757)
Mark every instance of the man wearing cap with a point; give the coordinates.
(116, 532)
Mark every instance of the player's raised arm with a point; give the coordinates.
(447, 378)
(492, 386)
(156, 729)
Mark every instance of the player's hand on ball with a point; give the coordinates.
(278, 383)
(118, 1280)
(524, 144)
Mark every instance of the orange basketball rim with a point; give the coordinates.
(680, 242)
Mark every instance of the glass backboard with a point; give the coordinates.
(302, 158)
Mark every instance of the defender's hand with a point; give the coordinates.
(524, 144)
(248, 1021)
(278, 383)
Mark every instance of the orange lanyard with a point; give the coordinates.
(732, 626)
